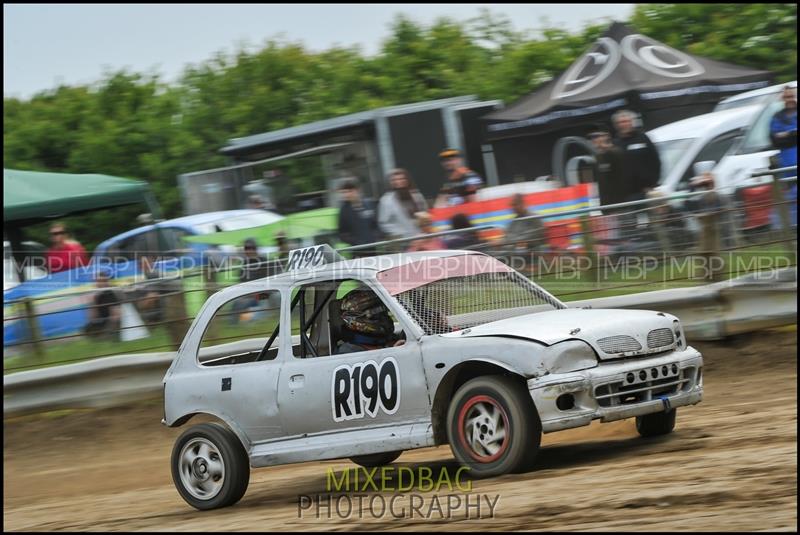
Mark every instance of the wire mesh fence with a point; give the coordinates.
(660, 242)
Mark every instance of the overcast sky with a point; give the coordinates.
(47, 45)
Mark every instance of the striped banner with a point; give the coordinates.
(563, 231)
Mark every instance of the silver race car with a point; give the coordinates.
(367, 358)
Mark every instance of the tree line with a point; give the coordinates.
(135, 125)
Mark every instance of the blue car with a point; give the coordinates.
(61, 298)
(167, 235)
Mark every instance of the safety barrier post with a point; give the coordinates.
(33, 329)
(589, 246)
(177, 325)
(710, 243)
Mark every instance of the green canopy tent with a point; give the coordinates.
(295, 226)
(31, 197)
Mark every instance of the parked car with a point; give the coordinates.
(755, 97)
(481, 358)
(71, 289)
(166, 235)
(751, 153)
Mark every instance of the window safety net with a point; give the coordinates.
(457, 303)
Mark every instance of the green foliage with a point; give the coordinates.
(133, 125)
(762, 36)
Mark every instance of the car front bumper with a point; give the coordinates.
(618, 389)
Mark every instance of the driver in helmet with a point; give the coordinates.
(366, 323)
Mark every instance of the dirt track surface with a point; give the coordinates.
(731, 464)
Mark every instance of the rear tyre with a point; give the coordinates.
(657, 423)
(210, 467)
(493, 426)
(377, 459)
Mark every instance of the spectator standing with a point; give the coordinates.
(104, 314)
(666, 226)
(283, 244)
(254, 267)
(65, 253)
(783, 128)
(783, 133)
(256, 202)
(397, 207)
(357, 218)
(425, 224)
(525, 233)
(461, 183)
(610, 176)
(461, 240)
(148, 294)
(641, 164)
(713, 211)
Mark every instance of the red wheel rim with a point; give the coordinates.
(483, 429)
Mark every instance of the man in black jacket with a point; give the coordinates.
(641, 164)
(610, 175)
(358, 222)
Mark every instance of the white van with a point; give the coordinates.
(755, 97)
(706, 137)
(752, 153)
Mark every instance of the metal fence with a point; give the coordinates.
(684, 239)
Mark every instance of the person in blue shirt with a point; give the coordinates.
(783, 133)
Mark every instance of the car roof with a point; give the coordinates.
(185, 222)
(371, 264)
(758, 92)
(380, 262)
(210, 217)
(368, 265)
(706, 124)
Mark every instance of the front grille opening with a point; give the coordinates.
(619, 344)
(645, 385)
(660, 338)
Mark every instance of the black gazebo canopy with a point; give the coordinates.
(625, 69)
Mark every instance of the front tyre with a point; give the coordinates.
(657, 423)
(210, 467)
(493, 426)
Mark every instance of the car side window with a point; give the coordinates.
(713, 151)
(324, 331)
(240, 329)
(757, 138)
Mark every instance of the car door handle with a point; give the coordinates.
(297, 380)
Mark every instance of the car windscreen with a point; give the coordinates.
(456, 303)
(742, 102)
(757, 137)
(670, 152)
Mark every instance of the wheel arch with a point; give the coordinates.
(217, 418)
(453, 380)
